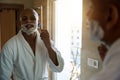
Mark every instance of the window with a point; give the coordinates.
(68, 36)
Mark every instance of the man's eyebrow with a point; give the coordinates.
(33, 15)
(24, 16)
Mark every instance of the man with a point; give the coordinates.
(104, 23)
(26, 54)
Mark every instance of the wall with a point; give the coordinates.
(27, 3)
(43, 3)
(89, 48)
(48, 15)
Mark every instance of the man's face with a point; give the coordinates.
(29, 21)
(28, 16)
(97, 19)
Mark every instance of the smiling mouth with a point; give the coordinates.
(29, 26)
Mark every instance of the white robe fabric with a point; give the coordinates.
(111, 64)
(17, 57)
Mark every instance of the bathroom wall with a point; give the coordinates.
(89, 48)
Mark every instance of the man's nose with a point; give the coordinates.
(28, 20)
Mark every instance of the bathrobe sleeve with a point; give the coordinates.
(6, 63)
(52, 66)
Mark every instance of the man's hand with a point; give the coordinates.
(45, 37)
(52, 54)
(102, 51)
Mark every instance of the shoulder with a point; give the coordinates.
(11, 42)
(114, 51)
(113, 56)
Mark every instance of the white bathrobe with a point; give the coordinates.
(17, 57)
(111, 64)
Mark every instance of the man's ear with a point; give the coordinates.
(112, 17)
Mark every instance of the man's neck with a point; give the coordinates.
(31, 39)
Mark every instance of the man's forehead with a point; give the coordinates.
(27, 12)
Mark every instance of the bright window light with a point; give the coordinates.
(68, 36)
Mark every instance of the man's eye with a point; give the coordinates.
(24, 19)
(28, 18)
(32, 18)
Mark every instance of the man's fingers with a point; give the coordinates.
(44, 34)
